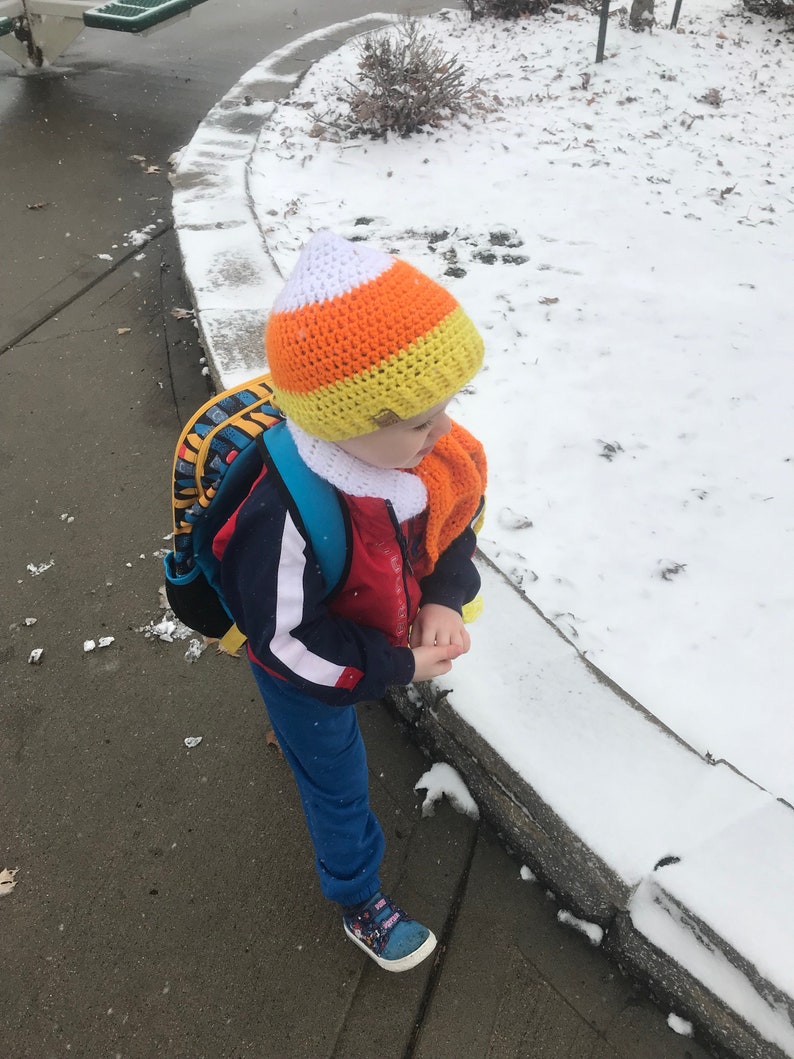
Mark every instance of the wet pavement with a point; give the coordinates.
(165, 902)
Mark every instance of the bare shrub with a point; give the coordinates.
(641, 15)
(778, 9)
(505, 9)
(513, 9)
(770, 8)
(406, 83)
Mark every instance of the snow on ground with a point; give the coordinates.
(622, 236)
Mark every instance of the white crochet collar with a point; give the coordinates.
(353, 476)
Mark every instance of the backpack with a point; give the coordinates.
(219, 456)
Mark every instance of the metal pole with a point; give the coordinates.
(676, 11)
(602, 30)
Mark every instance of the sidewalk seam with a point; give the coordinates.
(89, 285)
(445, 937)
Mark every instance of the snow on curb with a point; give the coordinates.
(232, 278)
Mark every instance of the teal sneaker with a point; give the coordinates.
(393, 940)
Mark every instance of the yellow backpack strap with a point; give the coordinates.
(472, 610)
(232, 640)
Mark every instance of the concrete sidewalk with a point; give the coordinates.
(656, 922)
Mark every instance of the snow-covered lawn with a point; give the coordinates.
(622, 234)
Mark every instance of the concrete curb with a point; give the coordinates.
(230, 272)
(640, 904)
(583, 883)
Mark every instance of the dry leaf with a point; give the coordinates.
(182, 314)
(38, 205)
(219, 648)
(149, 169)
(270, 740)
(7, 880)
(123, 330)
(548, 301)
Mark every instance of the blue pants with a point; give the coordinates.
(324, 748)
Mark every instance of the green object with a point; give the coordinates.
(6, 26)
(136, 16)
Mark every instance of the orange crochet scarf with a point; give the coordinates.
(454, 474)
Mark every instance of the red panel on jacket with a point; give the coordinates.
(380, 590)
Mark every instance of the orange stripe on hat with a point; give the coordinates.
(320, 344)
(357, 337)
(429, 370)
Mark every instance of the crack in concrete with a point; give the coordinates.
(444, 939)
(89, 285)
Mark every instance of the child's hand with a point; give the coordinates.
(437, 626)
(434, 661)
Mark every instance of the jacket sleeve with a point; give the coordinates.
(274, 589)
(454, 580)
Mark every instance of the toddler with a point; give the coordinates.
(366, 353)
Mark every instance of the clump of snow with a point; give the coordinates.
(167, 629)
(7, 880)
(192, 741)
(443, 780)
(35, 569)
(104, 641)
(140, 237)
(194, 651)
(34, 658)
(527, 874)
(679, 1025)
(592, 931)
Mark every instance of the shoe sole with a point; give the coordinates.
(405, 963)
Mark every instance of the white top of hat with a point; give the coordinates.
(327, 267)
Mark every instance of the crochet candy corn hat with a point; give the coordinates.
(359, 339)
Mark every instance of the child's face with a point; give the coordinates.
(401, 445)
